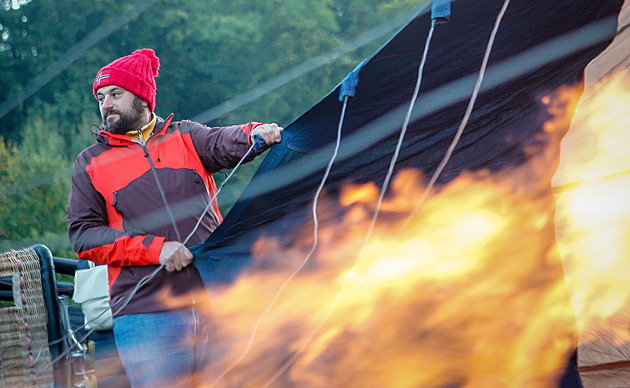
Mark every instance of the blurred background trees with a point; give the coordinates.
(211, 51)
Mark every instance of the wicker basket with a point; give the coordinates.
(25, 359)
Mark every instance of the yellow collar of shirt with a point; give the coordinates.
(147, 130)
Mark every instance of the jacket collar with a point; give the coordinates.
(114, 139)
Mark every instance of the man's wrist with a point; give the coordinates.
(155, 249)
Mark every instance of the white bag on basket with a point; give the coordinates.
(91, 291)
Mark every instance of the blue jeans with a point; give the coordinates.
(169, 349)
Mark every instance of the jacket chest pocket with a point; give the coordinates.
(143, 209)
(196, 176)
(115, 199)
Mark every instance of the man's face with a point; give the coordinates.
(121, 110)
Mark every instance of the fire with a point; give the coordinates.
(592, 191)
(470, 293)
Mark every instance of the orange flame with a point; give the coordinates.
(593, 187)
(470, 294)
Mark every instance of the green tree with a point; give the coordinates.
(211, 51)
(36, 177)
(33, 209)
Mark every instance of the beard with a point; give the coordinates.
(127, 121)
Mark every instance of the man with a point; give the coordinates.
(136, 196)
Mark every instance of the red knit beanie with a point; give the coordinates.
(135, 73)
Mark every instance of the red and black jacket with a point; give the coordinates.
(116, 215)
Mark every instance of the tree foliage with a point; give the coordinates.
(210, 52)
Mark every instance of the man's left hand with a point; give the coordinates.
(270, 133)
(175, 256)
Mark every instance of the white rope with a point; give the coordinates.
(383, 190)
(308, 256)
(206, 116)
(150, 276)
(352, 273)
(464, 122)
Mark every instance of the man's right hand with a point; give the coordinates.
(175, 256)
(270, 133)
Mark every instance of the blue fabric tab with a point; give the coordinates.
(349, 83)
(441, 11)
(259, 144)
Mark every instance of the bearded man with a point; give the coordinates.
(136, 197)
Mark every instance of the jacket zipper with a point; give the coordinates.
(161, 189)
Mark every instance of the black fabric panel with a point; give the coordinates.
(505, 121)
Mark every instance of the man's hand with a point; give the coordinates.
(175, 256)
(270, 133)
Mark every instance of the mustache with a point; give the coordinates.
(109, 112)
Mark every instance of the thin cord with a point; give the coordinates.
(150, 276)
(464, 122)
(308, 256)
(296, 354)
(219, 190)
(437, 173)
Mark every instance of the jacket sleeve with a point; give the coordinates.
(222, 147)
(92, 237)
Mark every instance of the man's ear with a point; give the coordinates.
(145, 104)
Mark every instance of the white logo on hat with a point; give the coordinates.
(100, 77)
